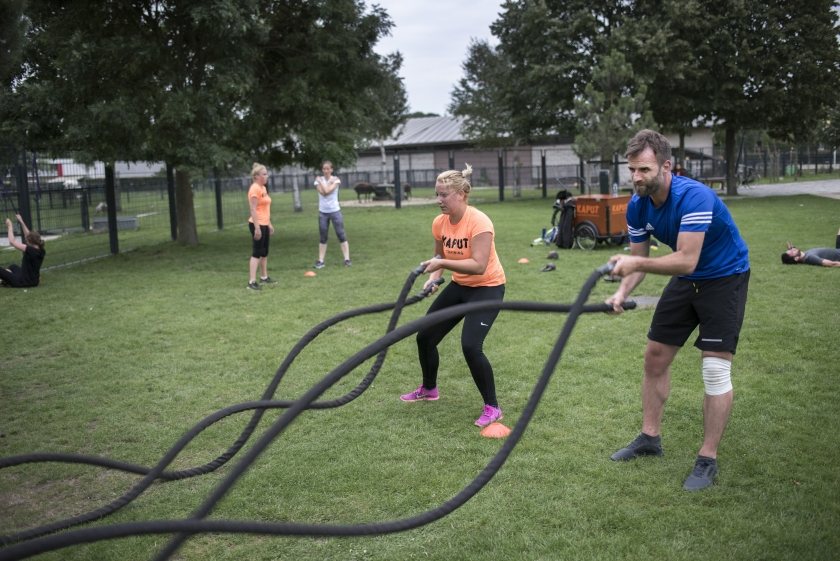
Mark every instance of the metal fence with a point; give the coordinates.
(65, 200)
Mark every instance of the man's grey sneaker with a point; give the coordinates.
(267, 280)
(347, 263)
(319, 264)
(703, 475)
(643, 445)
(253, 286)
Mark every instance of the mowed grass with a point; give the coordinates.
(120, 357)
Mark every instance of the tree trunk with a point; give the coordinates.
(384, 161)
(298, 207)
(729, 149)
(187, 233)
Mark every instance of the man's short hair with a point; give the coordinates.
(788, 259)
(647, 138)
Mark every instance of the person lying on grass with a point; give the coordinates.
(820, 256)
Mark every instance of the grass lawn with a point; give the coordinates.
(119, 357)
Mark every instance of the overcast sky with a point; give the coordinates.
(433, 37)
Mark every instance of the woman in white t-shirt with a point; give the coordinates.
(329, 211)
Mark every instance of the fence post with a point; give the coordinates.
(582, 165)
(111, 201)
(217, 182)
(397, 184)
(604, 181)
(173, 214)
(615, 175)
(501, 175)
(83, 204)
(543, 172)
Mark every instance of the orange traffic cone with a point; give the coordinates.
(495, 430)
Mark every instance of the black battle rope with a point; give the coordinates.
(6, 201)
(157, 472)
(197, 525)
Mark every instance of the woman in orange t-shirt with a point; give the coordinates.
(464, 245)
(259, 223)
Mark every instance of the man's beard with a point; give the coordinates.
(649, 188)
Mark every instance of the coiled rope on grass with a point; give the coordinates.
(37, 540)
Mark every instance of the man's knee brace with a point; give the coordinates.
(717, 375)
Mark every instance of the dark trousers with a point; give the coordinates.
(476, 327)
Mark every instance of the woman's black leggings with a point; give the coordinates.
(476, 327)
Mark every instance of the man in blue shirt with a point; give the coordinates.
(709, 269)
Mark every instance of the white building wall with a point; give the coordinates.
(408, 160)
(555, 155)
(139, 169)
(697, 139)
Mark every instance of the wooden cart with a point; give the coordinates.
(600, 218)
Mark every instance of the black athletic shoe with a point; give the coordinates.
(267, 280)
(254, 286)
(643, 445)
(703, 475)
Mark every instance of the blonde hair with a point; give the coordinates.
(457, 180)
(257, 168)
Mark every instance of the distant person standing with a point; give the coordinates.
(330, 211)
(710, 272)
(259, 223)
(28, 274)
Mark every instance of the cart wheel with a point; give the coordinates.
(620, 239)
(586, 236)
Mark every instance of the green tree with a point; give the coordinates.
(199, 83)
(829, 132)
(611, 110)
(480, 97)
(662, 58)
(744, 64)
(12, 29)
(388, 107)
(740, 64)
(547, 50)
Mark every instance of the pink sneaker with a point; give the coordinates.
(421, 394)
(489, 415)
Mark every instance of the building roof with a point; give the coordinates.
(427, 131)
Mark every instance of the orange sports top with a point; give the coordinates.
(457, 244)
(263, 204)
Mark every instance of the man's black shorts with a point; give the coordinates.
(716, 305)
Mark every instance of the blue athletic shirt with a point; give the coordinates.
(692, 207)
